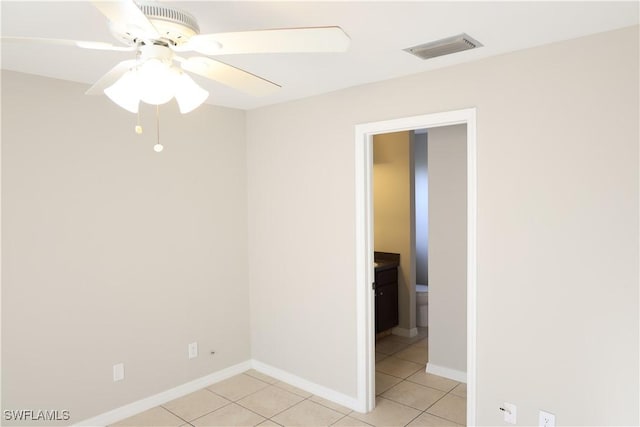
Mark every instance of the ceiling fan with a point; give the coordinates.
(159, 33)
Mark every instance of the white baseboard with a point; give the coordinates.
(452, 374)
(404, 332)
(308, 386)
(147, 403)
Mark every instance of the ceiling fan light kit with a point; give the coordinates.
(155, 31)
(188, 94)
(118, 92)
(154, 80)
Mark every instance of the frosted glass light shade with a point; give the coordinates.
(188, 94)
(124, 92)
(157, 82)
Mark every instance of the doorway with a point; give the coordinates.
(365, 250)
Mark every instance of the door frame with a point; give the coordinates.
(364, 246)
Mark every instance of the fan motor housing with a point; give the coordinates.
(175, 26)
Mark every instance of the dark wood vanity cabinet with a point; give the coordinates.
(386, 299)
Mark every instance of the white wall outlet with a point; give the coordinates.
(118, 372)
(546, 419)
(510, 412)
(193, 350)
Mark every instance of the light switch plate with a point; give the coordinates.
(118, 372)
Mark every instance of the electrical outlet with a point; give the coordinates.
(193, 350)
(510, 412)
(118, 372)
(546, 419)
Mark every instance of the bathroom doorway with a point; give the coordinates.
(365, 249)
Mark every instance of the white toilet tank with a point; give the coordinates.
(422, 305)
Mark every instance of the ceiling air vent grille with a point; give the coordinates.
(442, 47)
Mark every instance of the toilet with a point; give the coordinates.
(422, 305)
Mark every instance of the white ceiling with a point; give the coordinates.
(378, 30)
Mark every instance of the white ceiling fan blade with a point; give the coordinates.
(112, 75)
(75, 43)
(314, 39)
(125, 14)
(229, 75)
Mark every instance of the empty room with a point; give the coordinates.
(315, 213)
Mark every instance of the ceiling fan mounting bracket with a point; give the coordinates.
(175, 26)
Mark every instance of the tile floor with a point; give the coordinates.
(405, 396)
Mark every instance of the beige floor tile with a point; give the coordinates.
(427, 420)
(269, 423)
(237, 387)
(387, 413)
(414, 395)
(391, 337)
(380, 356)
(351, 422)
(270, 401)
(417, 353)
(331, 405)
(154, 417)
(433, 381)
(196, 404)
(460, 390)
(293, 389)
(423, 331)
(384, 382)
(261, 376)
(230, 415)
(422, 341)
(389, 345)
(408, 340)
(398, 367)
(308, 413)
(451, 407)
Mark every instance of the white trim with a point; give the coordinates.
(147, 403)
(452, 374)
(472, 267)
(365, 322)
(308, 386)
(404, 332)
(364, 246)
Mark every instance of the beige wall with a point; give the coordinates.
(447, 153)
(557, 323)
(394, 217)
(557, 235)
(114, 253)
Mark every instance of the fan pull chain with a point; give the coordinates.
(158, 147)
(138, 125)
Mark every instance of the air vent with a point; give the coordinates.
(444, 46)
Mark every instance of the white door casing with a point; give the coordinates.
(364, 246)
